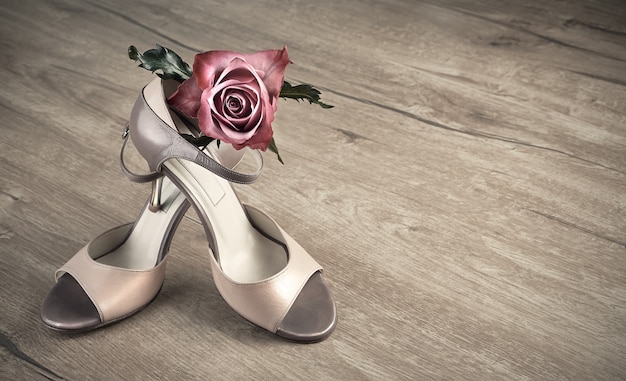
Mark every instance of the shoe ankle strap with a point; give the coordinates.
(134, 177)
(205, 161)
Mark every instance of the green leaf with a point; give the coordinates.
(274, 148)
(200, 141)
(160, 58)
(302, 91)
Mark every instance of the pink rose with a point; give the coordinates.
(233, 95)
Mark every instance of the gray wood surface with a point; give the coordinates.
(466, 195)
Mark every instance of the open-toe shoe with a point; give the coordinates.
(117, 273)
(122, 270)
(259, 270)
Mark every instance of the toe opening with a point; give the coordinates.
(313, 315)
(68, 307)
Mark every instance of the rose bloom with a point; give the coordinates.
(233, 95)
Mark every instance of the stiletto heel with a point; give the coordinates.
(155, 199)
(259, 270)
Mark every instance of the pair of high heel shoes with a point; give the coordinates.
(259, 270)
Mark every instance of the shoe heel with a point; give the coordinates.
(155, 198)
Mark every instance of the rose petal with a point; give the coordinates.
(234, 104)
(187, 97)
(248, 125)
(263, 136)
(207, 66)
(217, 126)
(237, 103)
(215, 99)
(272, 64)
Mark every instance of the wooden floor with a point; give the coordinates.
(466, 196)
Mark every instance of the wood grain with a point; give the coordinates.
(466, 195)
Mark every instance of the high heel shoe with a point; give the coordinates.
(117, 273)
(259, 270)
(121, 271)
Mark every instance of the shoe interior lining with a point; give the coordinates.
(245, 255)
(142, 249)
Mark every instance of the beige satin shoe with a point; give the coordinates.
(260, 271)
(117, 273)
(121, 271)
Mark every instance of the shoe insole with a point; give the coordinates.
(142, 249)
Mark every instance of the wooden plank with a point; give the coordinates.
(466, 195)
